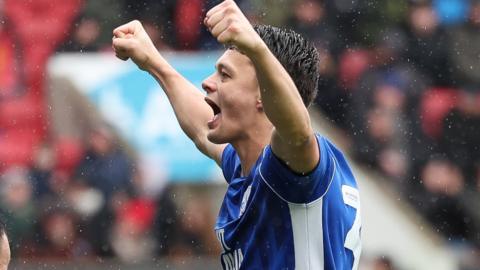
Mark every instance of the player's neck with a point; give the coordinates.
(248, 154)
(250, 149)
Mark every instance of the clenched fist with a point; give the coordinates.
(132, 41)
(229, 26)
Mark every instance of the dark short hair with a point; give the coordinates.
(297, 55)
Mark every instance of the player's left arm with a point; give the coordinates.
(293, 139)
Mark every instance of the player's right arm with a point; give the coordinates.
(131, 41)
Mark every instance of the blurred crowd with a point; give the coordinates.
(400, 78)
(97, 208)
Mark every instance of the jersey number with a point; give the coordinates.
(352, 241)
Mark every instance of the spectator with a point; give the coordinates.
(427, 44)
(108, 14)
(310, 19)
(464, 47)
(444, 183)
(42, 170)
(108, 169)
(165, 226)
(267, 11)
(130, 238)
(379, 108)
(182, 229)
(84, 36)
(461, 133)
(61, 239)
(157, 16)
(196, 222)
(157, 35)
(179, 20)
(333, 99)
(86, 202)
(17, 206)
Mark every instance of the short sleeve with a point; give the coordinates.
(298, 188)
(229, 162)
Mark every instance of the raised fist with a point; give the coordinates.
(132, 41)
(229, 26)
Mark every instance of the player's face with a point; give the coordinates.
(233, 94)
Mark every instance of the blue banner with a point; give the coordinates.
(134, 103)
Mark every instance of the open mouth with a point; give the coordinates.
(215, 108)
(214, 122)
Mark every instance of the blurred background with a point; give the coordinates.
(95, 173)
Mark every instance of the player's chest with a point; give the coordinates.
(248, 207)
(239, 194)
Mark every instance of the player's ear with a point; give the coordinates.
(259, 105)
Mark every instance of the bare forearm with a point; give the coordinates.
(281, 100)
(188, 102)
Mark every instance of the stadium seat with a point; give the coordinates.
(16, 146)
(352, 64)
(39, 26)
(68, 151)
(20, 112)
(434, 106)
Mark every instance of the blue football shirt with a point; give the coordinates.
(275, 218)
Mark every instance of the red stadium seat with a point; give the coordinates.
(16, 147)
(39, 27)
(69, 152)
(139, 211)
(188, 18)
(20, 112)
(352, 64)
(434, 106)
